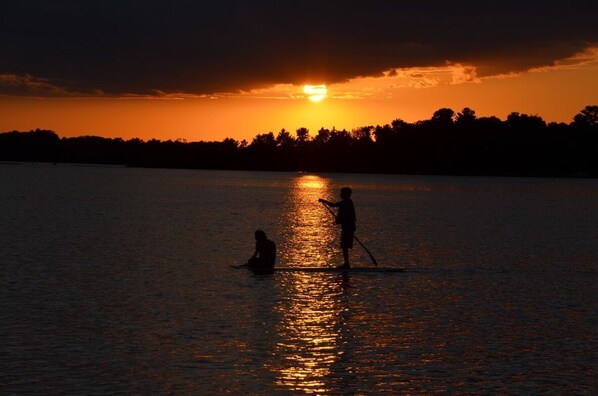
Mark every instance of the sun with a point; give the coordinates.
(315, 93)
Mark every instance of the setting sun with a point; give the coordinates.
(315, 93)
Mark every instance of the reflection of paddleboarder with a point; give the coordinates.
(346, 218)
(265, 253)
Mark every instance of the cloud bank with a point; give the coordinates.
(137, 47)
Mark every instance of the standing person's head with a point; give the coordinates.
(260, 235)
(346, 192)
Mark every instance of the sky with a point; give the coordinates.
(208, 70)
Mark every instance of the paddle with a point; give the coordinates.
(354, 237)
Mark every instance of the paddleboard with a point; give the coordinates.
(328, 269)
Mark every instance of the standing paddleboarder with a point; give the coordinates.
(346, 218)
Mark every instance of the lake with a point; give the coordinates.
(119, 280)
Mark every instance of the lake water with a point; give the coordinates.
(118, 280)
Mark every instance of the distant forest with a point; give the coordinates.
(449, 143)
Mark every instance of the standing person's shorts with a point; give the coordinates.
(347, 232)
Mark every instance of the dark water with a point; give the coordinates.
(118, 280)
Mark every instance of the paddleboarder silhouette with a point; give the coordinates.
(346, 218)
(264, 257)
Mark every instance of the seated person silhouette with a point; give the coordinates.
(265, 253)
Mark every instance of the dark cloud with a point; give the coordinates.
(131, 46)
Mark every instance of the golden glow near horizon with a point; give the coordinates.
(315, 93)
(555, 93)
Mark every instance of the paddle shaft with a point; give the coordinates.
(354, 237)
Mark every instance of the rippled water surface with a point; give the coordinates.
(117, 280)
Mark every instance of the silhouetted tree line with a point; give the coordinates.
(448, 143)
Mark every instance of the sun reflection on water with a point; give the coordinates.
(312, 332)
(312, 329)
(309, 230)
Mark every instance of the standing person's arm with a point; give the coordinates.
(328, 203)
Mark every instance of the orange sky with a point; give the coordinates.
(556, 94)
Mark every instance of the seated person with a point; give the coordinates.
(265, 253)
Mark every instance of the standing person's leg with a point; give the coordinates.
(346, 244)
(346, 257)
